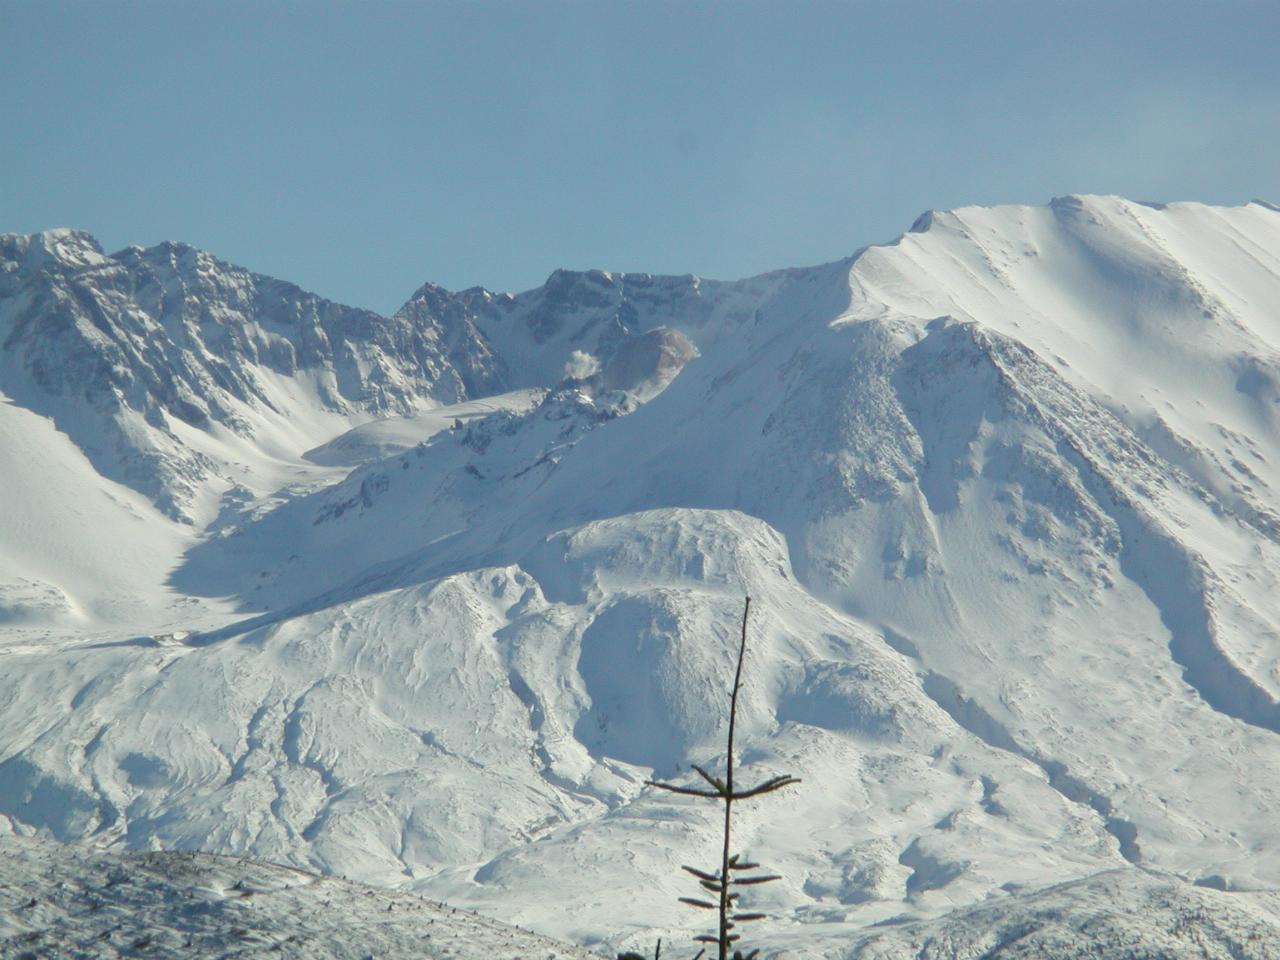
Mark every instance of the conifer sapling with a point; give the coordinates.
(722, 882)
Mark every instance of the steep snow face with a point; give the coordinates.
(1132, 304)
(76, 551)
(1003, 493)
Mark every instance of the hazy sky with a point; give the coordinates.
(362, 149)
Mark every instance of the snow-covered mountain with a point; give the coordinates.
(424, 600)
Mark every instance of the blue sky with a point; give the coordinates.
(362, 149)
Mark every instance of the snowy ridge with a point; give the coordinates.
(1003, 493)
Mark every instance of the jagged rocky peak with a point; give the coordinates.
(60, 248)
(582, 287)
(157, 340)
(432, 296)
(507, 341)
(597, 298)
(124, 351)
(472, 365)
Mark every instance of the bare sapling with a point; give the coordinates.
(734, 871)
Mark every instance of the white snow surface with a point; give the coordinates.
(1003, 493)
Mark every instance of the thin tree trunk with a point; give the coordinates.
(728, 799)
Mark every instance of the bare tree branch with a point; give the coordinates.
(688, 791)
(714, 781)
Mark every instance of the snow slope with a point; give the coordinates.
(1003, 493)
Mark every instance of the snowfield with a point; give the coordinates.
(423, 601)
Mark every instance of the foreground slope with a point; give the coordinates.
(58, 902)
(61, 901)
(1118, 915)
(1003, 492)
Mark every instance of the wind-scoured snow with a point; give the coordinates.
(1003, 493)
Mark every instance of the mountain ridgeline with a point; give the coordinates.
(426, 600)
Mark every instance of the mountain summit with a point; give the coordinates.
(425, 600)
